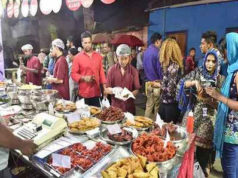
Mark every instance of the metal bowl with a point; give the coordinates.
(103, 134)
(181, 139)
(24, 98)
(181, 144)
(140, 129)
(112, 122)
(13, 95)
(33, 88)
(40, 105)
(165, 166)
(39, 101)
(85, 131)
(48, 94)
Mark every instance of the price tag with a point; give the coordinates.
(80, 104)
(130, 117)
(114, 129)
(204, 112)
(89, 144)
(92, 132)
(63, 103)
(159, 121)
(51, 109)
(84, 112)
(61, 160)
(74, 117)
(166, 139)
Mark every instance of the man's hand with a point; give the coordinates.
(88, 78)
(49, 80)
(108, 91)
(22, 67)
(156, 84)
(28, 147)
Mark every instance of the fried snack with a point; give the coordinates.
(121, 137)
(69, 107)
(170, 127)
(29, 87)
(95, 110)
(84, 124)
(131, 167)
(152, 147)
(202, 95)
(111, 114)
(140, 122)
(2, 84)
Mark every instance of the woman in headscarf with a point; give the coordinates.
(226, 127)
(205, 108)
(172, 62)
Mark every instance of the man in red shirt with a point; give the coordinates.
(33, 66)
(123, 75)
(60, 82)
(87, 71)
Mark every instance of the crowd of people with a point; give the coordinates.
(172, 83)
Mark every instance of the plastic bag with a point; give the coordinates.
(105, 103)
(197, 171)
(122, 93)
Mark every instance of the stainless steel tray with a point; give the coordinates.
(84, 132)
(140, 128)
(116, 154)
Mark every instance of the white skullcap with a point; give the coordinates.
(26, 47)
(123, 50)
(58, 43)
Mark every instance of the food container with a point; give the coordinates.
(94, 111)
(27, 87)
(63, 109)
(24, 97)
(112, 122)
(104, 136)
(85, 131)
(181, 144)
(13, 95)
(111, 115)
(141, 129)
(179, 138)
(165, 166)
(77, 170)
(117, 154)
(50, 95)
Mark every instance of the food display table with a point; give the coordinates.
(80, 144)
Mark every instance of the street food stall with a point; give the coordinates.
(77, 140)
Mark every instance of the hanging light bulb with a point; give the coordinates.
(73, 5)
(33, 7)
(1, 9)
(108, 1)
(57, 5)
(25, 8)
(10, 9)
(46, 6)
(16, 8)
(87, 3)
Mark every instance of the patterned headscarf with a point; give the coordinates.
(205, 73)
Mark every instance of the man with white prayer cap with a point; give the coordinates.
(33, 66)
